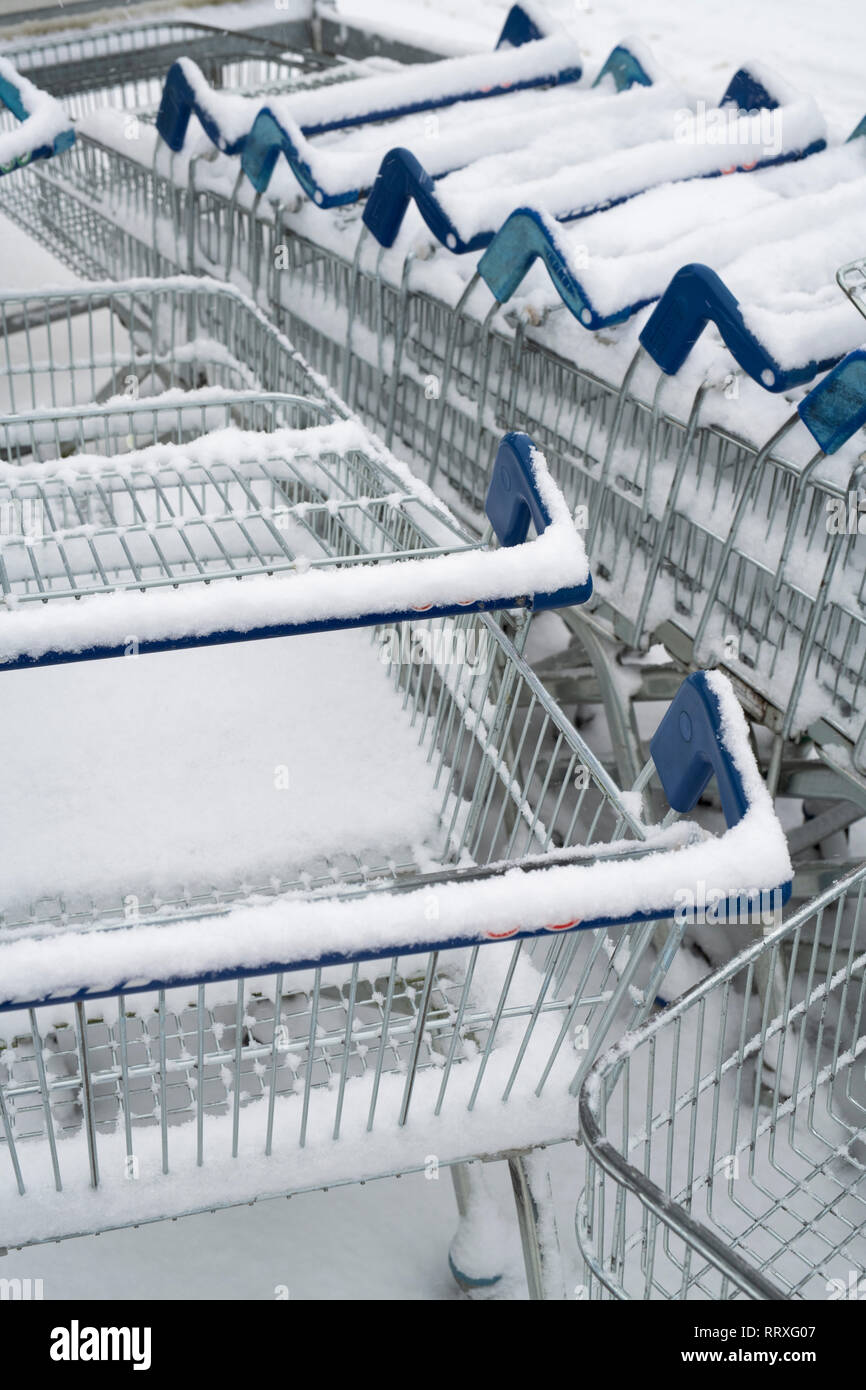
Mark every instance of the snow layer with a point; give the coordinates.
(186, 770)
(424, 85)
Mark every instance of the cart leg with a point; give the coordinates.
(476, 1256)
(530, 1181)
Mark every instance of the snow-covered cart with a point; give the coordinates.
(725, 1139)
(253, 924)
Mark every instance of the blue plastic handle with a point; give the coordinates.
(697, 296)
(402, 179)
(525, 238)
(625, 68)
(748, 93)
(836, 408)
(267, 140)
(519, 28)
(178, 101)
(177, 104)
(513, 502)
(688, 748)
(10, 96)
(513, 499)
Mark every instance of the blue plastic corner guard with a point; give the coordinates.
(513, 502)
(835, 409)
(525, 238)
(402, 180)
(625, 68)
(519, 28)
(10, 96)
(748, 93)
(697, 296)
(177, 103)
(858, 132)
(688, 748)
(267, 140)
(513, 499)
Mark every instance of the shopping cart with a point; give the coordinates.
(245, 1029)
(725, 1138)
(125, 66)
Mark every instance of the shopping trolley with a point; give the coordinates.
(350, 1008)
(125, 66)
(725, 1138)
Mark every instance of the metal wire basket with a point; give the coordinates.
(725, 1139)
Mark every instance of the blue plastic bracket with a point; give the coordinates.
(10, 96)
(625, 68)
(519, 28)
(403, 179)
(513, 502)
(525, 238)
(835, 409)
(688, 748)
(696, 296)
(747, 93)
(266, 141)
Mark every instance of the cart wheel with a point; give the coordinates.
(475, 1256)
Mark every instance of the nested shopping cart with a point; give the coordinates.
(230, 995)
(725, 1140)
(125, 66)
(700, 490)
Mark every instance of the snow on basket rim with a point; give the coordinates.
(548, 893)
(551, 570)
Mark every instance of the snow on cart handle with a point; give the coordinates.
(45, 128)
(668, 870)
(524, 57)
(192, 608)
(401, 177)
(697, 296)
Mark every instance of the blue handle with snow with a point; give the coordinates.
(45, 129)
(697, 296)
(688, 748)
(835, 409)
(527, 236)
(626, 67)
(378, 98)
(268, 138)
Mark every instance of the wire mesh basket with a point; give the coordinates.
(725, 1138)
